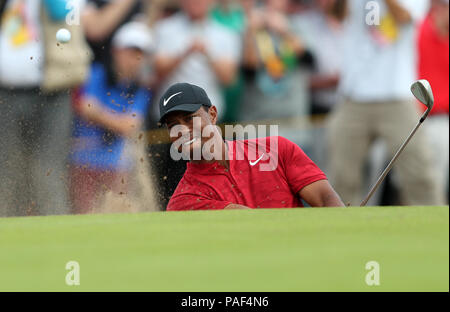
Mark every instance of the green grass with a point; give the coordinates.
(258, 250)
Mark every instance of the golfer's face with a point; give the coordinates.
(188, 127)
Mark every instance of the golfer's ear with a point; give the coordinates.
(213, 114)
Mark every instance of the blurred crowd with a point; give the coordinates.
(74, 115)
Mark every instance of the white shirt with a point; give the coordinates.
(21, 46)
(174, 36)
(373, 70)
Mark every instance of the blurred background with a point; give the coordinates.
(78, 117)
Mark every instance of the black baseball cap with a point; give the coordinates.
(183, 97)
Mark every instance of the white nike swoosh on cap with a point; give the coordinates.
(256, 161)
(167, 101)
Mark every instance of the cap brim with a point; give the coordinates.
(181, 108)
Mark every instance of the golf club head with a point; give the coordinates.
(421, 89)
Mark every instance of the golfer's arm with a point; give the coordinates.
(122, 124)
(400, 14)
(321, 194)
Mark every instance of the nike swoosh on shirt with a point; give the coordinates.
(252, 163)
(170, 97)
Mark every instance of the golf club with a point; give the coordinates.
(422, 91)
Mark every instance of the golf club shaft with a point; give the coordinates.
(389, 167)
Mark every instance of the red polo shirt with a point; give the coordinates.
(264, 173)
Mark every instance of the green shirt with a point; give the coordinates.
(233, 19)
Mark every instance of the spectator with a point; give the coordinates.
(191, 47)
(101, 19)
(321, 30)
(35, 118)
(378, 69)
(160, 9)
(299, 6)
(433, 45)
(230, 14)
(111, 111)
(272, 58)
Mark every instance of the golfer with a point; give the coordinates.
(257, 173)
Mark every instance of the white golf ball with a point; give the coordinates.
(63, 35)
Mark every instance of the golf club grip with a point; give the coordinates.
(389, 167)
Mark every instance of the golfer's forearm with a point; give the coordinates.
(400, 14)
(320, 194)
(325, 199)
(330, 200)
(99, 23)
